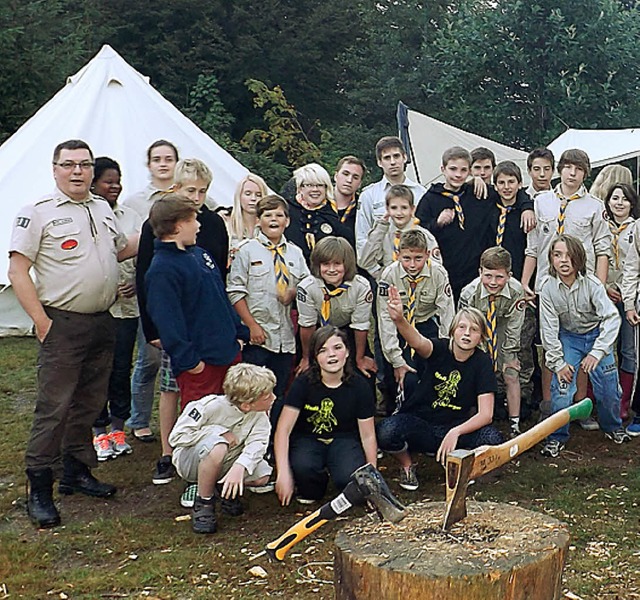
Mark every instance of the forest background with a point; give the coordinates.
(279, 83)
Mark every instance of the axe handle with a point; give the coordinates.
(279, 548)
(488, 458)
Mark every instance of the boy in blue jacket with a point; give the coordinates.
(188, 304)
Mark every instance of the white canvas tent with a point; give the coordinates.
(427, 138)
(604, 146)
(116, 110)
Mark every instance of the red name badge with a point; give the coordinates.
(69, 244)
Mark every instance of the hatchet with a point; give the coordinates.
(366, 485)
(464, 465)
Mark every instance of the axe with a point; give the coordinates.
(366, 485)
(464, 465)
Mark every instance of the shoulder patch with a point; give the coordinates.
(369, 297)
(194, 413)
(301, 295)
(208, 261)
(383, 288)
(521, 304)
(23, 222)
(436, 252)
(447, 289)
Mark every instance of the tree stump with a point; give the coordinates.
(498, 552)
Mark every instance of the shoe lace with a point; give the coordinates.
(118, 437)
(103, 442)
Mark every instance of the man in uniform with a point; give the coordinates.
(71, 240)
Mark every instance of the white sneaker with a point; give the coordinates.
(102, 446)
(589, 424)
(119, 443)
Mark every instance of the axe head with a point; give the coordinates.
(376, 492)
(458, 471)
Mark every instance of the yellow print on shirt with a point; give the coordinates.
(447, 390)
(323, 420)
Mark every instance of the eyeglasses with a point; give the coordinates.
(70, 165)
(314, 185)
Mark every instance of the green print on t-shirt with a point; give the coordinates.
(447, 390)
(323, 420)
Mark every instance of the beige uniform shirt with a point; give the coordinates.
(253, 277)
(630, 282)
(625, 241)
(510, 307)
(352, 308)
(129, 222)
(372, 205)
(433, 298)
(578, 309)
(584, 219)
(377, 252)
(215, 415)
(73, 247)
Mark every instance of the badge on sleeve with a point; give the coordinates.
(436, 252)
(301, 295)
(447, 289)
(208, 261)
(383, 288)
(369, 297)
(194, 413)
(23, 222)
(520, 304)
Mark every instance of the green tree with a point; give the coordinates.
(520, 71)
(284, 137)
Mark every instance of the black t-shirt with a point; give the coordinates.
(449, 389)
(330, 412)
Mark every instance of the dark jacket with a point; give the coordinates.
(212, 237)
(188, 304)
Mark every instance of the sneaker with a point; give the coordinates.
(305, 501)
(514, 430)
(165, 471)
(262, 489)
(408, 478)
(102, 446)
(619, 436)
(633, 429)
(119, 443)
(230, 506)
(589, 424)
(203, 515)
(551, 448)
(189, 495)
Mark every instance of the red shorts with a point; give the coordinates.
(208, 381)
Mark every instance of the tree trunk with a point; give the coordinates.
(498, 552)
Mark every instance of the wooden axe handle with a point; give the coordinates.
(488, 458)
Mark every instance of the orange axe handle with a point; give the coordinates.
(279, 548)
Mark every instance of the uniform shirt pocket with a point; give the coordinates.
(65, 241)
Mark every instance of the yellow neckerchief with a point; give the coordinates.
(456, 206)
(279, 265)
(564, 202)
(502, 221)
(325, 310)
(398, 234)
(616, 230)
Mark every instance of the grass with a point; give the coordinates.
(133, 547)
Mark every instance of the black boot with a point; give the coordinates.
(77, 477)
(203, 515)
(40, 507)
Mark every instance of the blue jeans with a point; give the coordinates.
(407, 432)
(310, 459)
(626, 343)
(143, 382)
(604, 379)
(119, 396)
